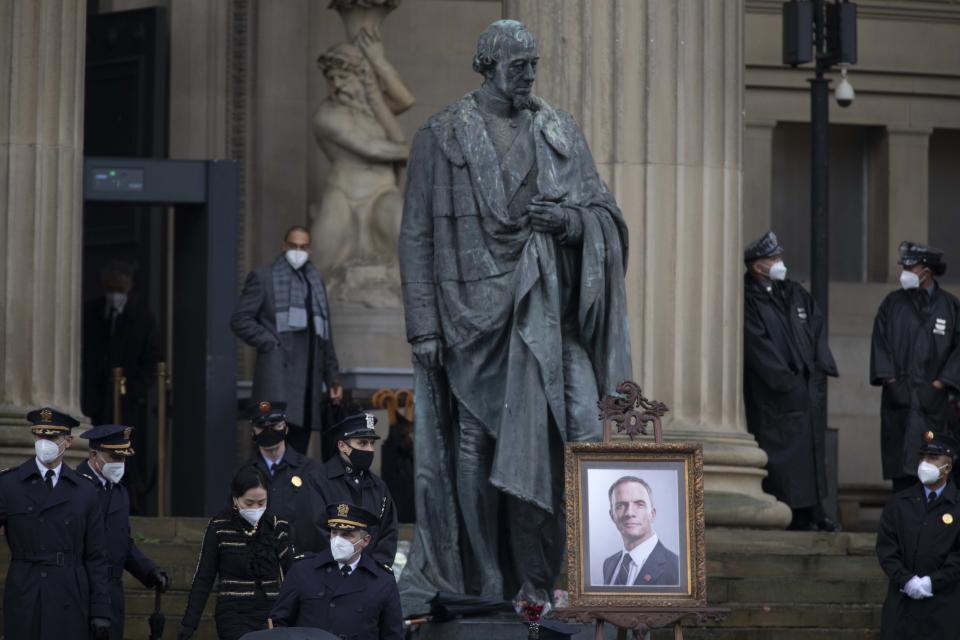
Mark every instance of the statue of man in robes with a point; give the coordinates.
(512, 258)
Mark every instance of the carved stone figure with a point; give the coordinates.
(356, 224)
(512, 258)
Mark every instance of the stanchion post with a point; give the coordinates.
(162, 380)
(119, 390)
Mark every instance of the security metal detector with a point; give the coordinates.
(205, 198)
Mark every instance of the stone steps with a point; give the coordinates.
(786, 585)
(778, 584)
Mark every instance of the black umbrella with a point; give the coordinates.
(446, 606)
(157, 620)
(289, 633)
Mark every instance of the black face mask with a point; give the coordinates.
(269, 437)
(361, 459)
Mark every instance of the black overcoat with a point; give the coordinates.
(917, 539)
(281, 371)
(786, 361)
(134, 346)
(334, 482)
(290, 496)
(915, 340)
(121, 551)
(362, 606)
(57, 578)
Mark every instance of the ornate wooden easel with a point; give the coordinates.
(631, 412)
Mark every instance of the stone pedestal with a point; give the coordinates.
(366, 336)
(502, 627)
(657, 88)
(41, 161)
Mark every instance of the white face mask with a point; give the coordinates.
(341, 548)
(252, 515)
(909, 280)
(928, 473)
(47, 450)
(297, 258)
(778, 271)
(116, 299)
(113, 471)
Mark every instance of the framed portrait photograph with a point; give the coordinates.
(635, 531)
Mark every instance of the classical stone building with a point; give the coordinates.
(699, 130)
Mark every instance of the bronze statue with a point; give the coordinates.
(512, 259)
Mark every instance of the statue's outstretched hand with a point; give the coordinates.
(428, 353)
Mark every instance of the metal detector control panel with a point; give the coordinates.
(145, 180)
(117, 179)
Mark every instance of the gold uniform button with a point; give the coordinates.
(947, 518)
(296, 481)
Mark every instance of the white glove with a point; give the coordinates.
(926, 587)
(913, 589)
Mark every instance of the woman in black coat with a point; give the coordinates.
(250, 552)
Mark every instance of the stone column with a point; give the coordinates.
(41, 162)
(908, 180)
(658, 89)
(757, 178)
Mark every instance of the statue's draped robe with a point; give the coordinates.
(503, 299)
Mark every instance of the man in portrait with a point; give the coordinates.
(643, 560)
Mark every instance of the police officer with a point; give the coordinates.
(786, 362)
(918, 546)
(286, 471)
(341, 589)
(110, 446)
(915, 357)
(56, 586)
(346, 477)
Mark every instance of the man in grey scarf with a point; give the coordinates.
(512, 256)
(283, 313)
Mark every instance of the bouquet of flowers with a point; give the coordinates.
(532, 605)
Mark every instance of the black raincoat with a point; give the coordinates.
(915, 340)
(786, 361)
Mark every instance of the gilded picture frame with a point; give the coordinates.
(615, 494)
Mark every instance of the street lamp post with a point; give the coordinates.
(826, 33)
(819, 171)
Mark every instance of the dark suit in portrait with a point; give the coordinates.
(662, 567)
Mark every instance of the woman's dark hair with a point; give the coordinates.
(247, 478)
